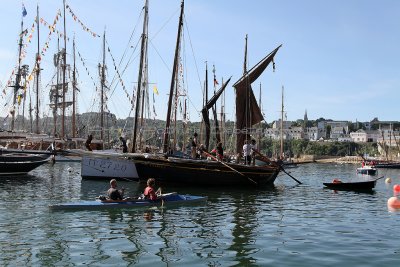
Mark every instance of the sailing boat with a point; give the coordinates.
(15, 161)
(169, 169)
(205, 172)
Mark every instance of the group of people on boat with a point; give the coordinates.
(248, 154)
(149, 193)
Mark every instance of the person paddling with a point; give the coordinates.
(149, 192)
(113, 193)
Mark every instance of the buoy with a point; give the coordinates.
(393, 203)
(396, 189)
(69, 169)
(388, 180)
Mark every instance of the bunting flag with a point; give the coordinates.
(87, 71)
(75, 18)
(155, 90)
(215, 81)
(119, 75)
(24, 13)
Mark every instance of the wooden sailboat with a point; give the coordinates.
(205, 172)
(169, 169)
(13, 161)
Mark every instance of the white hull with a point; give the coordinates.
(107, 168)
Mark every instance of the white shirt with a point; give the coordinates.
(246, 150)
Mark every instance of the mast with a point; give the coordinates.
(74, 93)
(56, 63)
(37, 70)
(17, 85)
(174, 69)
(281, 151)
(207, 126)
(259, 124)
(102, 90)
(139, 89)
(64, 70)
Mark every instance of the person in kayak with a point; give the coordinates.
(149, 192)
(113, 193)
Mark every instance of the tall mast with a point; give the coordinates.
(57, 84)
(281, 152)
(206, 89)
(37, 71)
(103, 78)
(63, 82)
(17, 85)
(139, 88)
(74, 94)
(174, 69)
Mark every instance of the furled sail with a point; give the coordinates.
(209, 105)
(248, 112)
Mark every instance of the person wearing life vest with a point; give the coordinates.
(149, 192)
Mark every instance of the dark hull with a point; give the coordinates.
(11, 164)
(355, 186)
(392, 165)
(204, 172)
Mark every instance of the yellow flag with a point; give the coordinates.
(155, 90)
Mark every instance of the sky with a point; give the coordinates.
(339, 59)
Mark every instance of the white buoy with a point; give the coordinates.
(69, 169)
(388, 180)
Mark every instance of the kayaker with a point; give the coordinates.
(149, 192)
(113, 193)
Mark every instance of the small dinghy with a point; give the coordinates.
(168, 199)
(352, 186)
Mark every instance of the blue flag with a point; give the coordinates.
(24, 13)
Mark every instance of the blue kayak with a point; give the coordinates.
(168, 199)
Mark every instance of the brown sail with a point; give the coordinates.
(248, 112)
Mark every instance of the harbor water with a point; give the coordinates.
(287, 225)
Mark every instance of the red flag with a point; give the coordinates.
(215, 82)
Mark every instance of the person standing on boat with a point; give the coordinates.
(194, 146)
(124, 146)
(88, 142)
(113, 193)
(247, 152)
(149, 192)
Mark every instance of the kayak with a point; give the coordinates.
(168, 199)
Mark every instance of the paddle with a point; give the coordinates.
(265, 159)
(226, 165)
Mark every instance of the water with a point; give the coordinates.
(289, 225)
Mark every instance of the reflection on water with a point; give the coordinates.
(289, 224)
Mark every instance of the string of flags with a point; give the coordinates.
(87, 71)
(119, 76)
(86, 29)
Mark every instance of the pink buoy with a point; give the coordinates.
(393, 203)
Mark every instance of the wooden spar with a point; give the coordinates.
(103, 80)
(207, 141)
(74, 94)
(174, 69)
(64, 70)
(226, 165)
(18, 76)
(140, 74)
(281, 134)
(37, 70)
